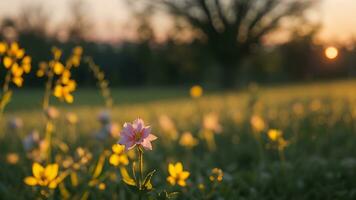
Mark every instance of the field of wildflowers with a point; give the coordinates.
(293, 142)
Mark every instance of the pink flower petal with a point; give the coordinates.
(146, 131)
(138, 124)
(151, 137)
(147, 144)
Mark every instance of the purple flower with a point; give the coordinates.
(136, 134)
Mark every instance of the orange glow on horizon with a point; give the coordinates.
(331, 52)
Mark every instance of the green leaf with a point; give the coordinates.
(126, 177)
(147, 181)
(5, 99)
(99, 167)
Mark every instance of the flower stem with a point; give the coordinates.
(140, 165)
(48, 90)
(5, 89)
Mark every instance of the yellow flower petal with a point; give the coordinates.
(71, 85)
(14, 47)
(184, 175)
(69, 98)
(172, 170)
(124, 160)
(20, 53)
(117, 148)
(26, 68)
(58, 91)
(56, 53)
(37, 170)
(7, 62)
(58, 68)
(114, 159)
(16, 70)
(178, 167)
(3, 47)
(51, 171)
(40, 73)
(182, 183)
(26, 60)
(18, 81)
(171, 180)
(52, 185)
(30, 180)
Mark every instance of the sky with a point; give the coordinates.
(111, 17)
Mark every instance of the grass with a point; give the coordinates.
(317, 121)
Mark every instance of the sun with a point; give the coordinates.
(331, 52)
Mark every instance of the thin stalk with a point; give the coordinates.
(47, 94)
(5, 89)
(140, 165)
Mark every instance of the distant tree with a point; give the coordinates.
(79, 25)
(231, 28)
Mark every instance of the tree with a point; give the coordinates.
(231, 28)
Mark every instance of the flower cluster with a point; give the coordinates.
(64, 85)
(15, 61)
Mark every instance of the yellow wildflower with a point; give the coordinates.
(3, 47)
(274, 134)
(187, 140)
(177, 175)
(7, 62)
(57, 53)
(216, 175)
(12, 158)
(42, 69)
(58, 68)
(257, 123)
(118, 157)
(46, 177)
(196, 91)
(63, 91)
(72, 118)
(17, 74)
(26, 64)
(102, 186)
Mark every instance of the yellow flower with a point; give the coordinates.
(187, 140)
(57, 53)
(257, 123)
(118, 157)
(42, 69)
(12, 158)
(46, 177)
(7, 62)
(3, 47)
(216, 175)
(63, 91)
(58, 68)
(16, 74)
(102, 186)
(65, 78)
(72, 118)
(274, 134)
(78, 50)
(26, 64)
(196, 91)
(177, 175)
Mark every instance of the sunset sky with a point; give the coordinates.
(110, 17)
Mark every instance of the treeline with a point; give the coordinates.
(148, 63)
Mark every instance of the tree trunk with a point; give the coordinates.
(228, 75)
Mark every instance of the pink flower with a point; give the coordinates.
(136, 134)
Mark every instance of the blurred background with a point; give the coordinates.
(215, 43)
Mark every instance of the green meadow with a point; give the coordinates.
(315, 158)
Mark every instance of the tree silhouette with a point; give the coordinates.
(231, 28)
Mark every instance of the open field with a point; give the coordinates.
(313, 158)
